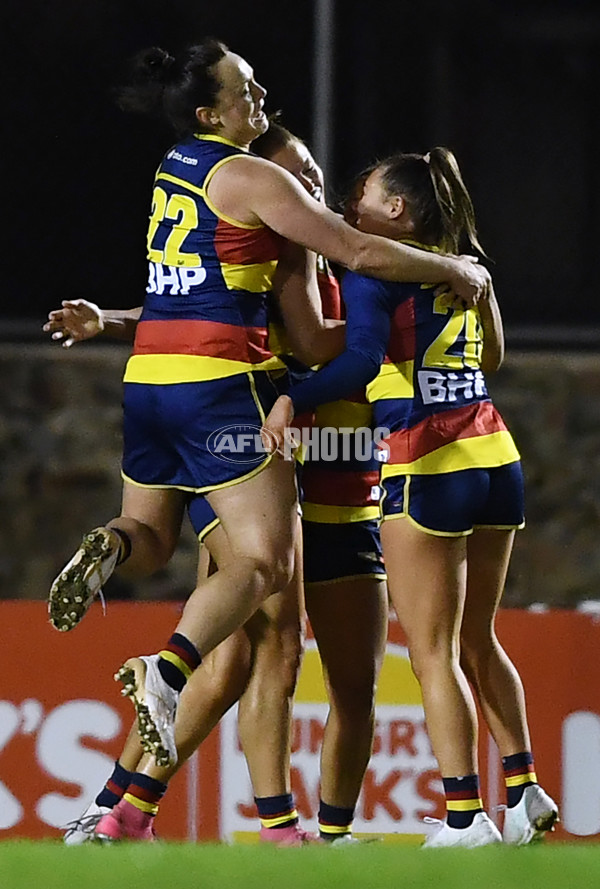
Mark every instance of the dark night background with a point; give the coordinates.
(511, 87)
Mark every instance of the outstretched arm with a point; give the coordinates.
(79, 320)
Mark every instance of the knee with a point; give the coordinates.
(282, 570)
(278, 656)
(275, 572)
(432, 655)
(475, 652)
(352, 697)
(163, 550)
(227, 669)
(217, 692)
(151, 548)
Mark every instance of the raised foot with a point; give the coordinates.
(155, 704)
(81, 580)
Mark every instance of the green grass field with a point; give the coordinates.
(50, 865)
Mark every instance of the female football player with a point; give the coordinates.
(452, 488)
(346, 601)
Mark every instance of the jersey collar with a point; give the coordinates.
(206, 137)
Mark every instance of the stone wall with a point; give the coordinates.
(60, 420)
(60, 452)
(551, 402)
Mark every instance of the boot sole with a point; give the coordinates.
(544, 824)
(69, 597)
(132, 674)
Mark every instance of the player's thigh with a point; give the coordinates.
(427, 577)
(218, 550)
(488, 554)
(160, 509)
(259, 515)
(349, 621)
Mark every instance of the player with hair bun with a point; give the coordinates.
(201, 360)
(346, 600)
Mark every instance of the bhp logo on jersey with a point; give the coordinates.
(439, 387)
(173, 280)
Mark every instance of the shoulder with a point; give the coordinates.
(254, 175)
(243, 163)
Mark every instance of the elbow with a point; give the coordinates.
(312, 352)
(307, 355)
(355, 263)
(320, 345)
(307, 347)
(359, 259)
(492, 361)
(371, 368)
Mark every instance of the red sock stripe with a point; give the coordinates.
(525, 770)
(185, 656)
(148, 796)
(283, 814)
(466, 794)
(115, 788)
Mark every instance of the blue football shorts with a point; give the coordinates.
(336, 552)
(202, 516)
(455, 503)
(196, 436)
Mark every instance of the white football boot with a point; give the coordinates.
(81, 580)
(82, 830)
(348, 840)
(155, 703)
(345, 840)
(481, 832)
(533, 816)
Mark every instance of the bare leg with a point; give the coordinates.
(427, 582)
(150, 524)
(151, 518)
(265, 711)
(349, 620)
(492, 674)
(210, 691)
(132, 752)
(259, 519)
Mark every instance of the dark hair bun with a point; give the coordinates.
(155, 63)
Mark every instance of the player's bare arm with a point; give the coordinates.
(80, 320)
(492, 355)
(254, 190)
(311, 338)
